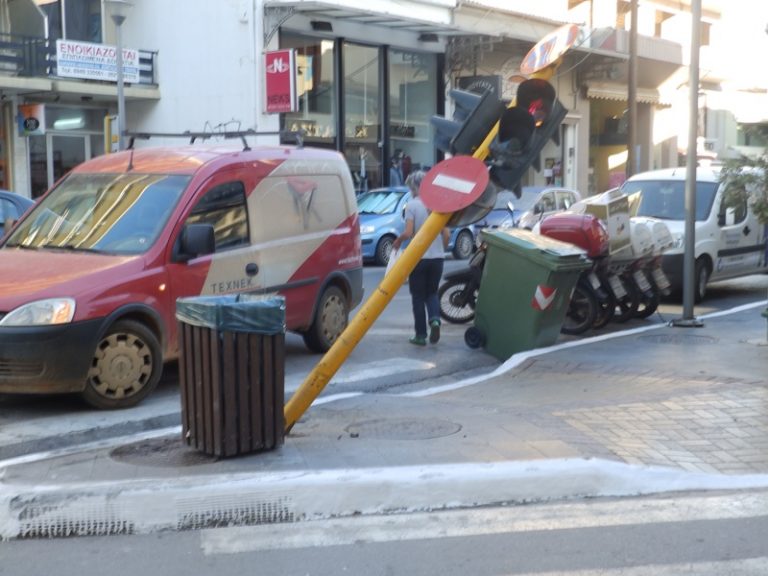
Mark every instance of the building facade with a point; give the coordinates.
(369, 77)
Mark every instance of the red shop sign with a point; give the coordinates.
(280, 72)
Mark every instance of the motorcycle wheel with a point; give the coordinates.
(648, 305)
(456, 306)
(582, 309)
(627, 307)
(605, 312)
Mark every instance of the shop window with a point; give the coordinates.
(412, 101)
(316, 91)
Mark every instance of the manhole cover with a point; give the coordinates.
(403, 429)
(678, 339)
(163, 452)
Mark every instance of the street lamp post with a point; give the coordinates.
(118, 13)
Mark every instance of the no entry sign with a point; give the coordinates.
(454, 184)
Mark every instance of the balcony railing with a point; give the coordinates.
(32, 57)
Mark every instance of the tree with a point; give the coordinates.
(747, 178)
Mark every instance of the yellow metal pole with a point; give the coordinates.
(333, 359)
(365, 317)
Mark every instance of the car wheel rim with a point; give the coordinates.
(121, 367)
(464, 245)
(334, 318)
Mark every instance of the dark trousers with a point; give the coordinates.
(423, 283)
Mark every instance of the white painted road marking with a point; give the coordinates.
(483, 522)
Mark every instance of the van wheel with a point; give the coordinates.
(383, 250)
(701, 278)
(126, 367)
(462, 248)
(330, 320)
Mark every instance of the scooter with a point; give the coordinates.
(458, 292)
(589, 298)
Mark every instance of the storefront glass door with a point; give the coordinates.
(362, 121)
(53, 155)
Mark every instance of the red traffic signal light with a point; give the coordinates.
(524, 129)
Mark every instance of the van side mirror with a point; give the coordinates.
(196, 240)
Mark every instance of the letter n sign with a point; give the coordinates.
(280, 72)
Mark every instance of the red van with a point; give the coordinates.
(90, 276)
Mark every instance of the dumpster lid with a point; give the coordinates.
(256, 313)
(536, 246)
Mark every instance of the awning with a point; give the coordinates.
(619, 92)
(421, 16)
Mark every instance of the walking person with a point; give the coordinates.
(424, 280)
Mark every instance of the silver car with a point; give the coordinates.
(537, 202)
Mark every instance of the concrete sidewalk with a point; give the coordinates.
(644, 411)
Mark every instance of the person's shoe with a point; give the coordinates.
(418, 341)
(434, 331)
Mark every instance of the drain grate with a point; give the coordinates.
(161, 452)
(403, 428)
(677, 339)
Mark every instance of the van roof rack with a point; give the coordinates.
(132, 136)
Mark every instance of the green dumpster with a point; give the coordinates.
(524, 292)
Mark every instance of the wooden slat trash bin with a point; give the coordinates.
(232, 372)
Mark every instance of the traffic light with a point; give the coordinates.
(524, 130)
(473, 117)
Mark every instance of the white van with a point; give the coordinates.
(730, 242)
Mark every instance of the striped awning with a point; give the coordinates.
(618, 92)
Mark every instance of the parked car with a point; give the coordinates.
(382, 219)
(500, 215)
(729, 240)
(12, 206)
(537, 202)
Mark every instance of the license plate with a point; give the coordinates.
(642, 281)
(661, 279)
(617, 287)
(594, 280)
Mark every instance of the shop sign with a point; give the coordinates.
(95, 61)
(280, 82)
(481, 84)
(31, 119)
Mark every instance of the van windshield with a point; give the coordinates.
(665, 199)
(110, 213)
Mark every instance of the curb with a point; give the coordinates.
(190, 503)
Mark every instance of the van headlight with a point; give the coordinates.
(678, 241)
(41, 313)
(368, 229)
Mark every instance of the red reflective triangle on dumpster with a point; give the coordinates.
(543, 297)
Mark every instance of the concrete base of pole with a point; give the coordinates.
(686, 323)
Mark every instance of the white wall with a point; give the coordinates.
(206, 67)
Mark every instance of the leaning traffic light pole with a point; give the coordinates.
(482, 126)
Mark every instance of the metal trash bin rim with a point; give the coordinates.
(252, 313)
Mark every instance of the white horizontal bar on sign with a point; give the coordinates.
(452, 183)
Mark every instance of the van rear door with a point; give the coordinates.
(741, 250)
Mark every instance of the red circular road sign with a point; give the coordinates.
(550, 48)
(454, 184)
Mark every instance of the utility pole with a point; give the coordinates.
(632, 95)
(689, 257)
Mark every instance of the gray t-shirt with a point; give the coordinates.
(416, 211)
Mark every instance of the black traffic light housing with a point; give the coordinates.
(524, 130)
(474, 116)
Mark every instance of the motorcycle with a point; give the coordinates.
(458, 292)
(658, 282)
(589, 298)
